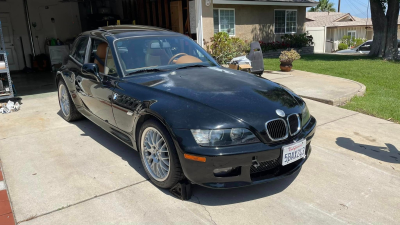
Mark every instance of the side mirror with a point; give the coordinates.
(91, 69)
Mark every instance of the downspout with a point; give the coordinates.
(324, 45)
(28, 20)
(199, 22)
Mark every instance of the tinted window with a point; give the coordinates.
(93, 49)
(111, 70)
(162, 52)
(80, 49)
(366, 46)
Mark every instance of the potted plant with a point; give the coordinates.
(287, 58)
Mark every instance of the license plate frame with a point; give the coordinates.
(293, 152)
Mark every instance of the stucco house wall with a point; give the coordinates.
(256, 22)
(252, 22)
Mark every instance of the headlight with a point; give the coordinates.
(305, 116)
(224, 137)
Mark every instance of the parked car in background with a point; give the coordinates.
(163, 95)
(364, 48)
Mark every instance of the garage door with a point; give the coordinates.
(318, 34)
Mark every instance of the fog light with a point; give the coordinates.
(227, 172)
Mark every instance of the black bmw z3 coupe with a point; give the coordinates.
(189, 118)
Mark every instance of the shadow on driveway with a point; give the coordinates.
(111, 143)
(388, 153)
(216, 197)
(201, 195)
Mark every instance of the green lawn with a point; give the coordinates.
(382, 79)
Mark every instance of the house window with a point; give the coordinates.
(351, 33)
(224, 21)
(285, 21)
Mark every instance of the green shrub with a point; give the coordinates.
(343, 46)
(352, 42)
(346, 39)
(224, 48)
(297, 40)
(359, 41)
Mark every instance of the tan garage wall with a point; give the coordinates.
(253, 22)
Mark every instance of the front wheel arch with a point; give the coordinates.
(144, 118)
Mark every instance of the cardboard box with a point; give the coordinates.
(244, 67)
(233, 66)
(239, 67)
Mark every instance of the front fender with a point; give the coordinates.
(69, 79)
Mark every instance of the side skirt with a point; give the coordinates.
(114, 131)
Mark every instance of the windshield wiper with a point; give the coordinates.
(145, 71)
(197, 65)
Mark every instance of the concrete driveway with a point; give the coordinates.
(62, 173)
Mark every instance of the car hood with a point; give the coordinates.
(241, 95)
(347, 51)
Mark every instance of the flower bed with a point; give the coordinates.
(276, 53)
(300, 42)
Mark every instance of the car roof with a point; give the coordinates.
(122, 31)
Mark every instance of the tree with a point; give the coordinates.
(384, 16)
(323, 6)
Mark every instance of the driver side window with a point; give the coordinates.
(80, 50)
(101, 55)
(110, 64)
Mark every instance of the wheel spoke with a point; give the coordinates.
(159, 141)
(162, 165)
(164, 146)
(165, 161)
(163, 170)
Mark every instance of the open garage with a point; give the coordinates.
(38, 34)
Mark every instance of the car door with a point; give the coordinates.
(95, 94)
(365, 48)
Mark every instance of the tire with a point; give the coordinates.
(154, 156)
(69, 113)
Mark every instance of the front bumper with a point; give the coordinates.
(241, 158)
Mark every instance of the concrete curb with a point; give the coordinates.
(339, 101)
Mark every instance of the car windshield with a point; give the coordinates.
(159, 53)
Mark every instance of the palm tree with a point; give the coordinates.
(323, 6)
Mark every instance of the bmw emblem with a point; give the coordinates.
(280, 113)
(115, 96)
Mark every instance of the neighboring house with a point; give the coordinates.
(256, 20)
(328, 28)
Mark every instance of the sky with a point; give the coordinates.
(356, 8)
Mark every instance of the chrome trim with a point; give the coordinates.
(298, 124)
(279, 139)
(88, 48)
(76, 61)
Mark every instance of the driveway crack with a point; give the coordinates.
(209, 214)
(337, 119)
(77, 203)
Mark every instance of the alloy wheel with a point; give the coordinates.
(64, 100)
(155, 154)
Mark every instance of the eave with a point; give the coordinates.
(278, 3)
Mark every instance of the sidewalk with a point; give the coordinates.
(323, 88)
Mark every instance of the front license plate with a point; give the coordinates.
(293, 152)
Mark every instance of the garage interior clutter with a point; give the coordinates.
(38, 34)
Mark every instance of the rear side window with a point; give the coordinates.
(80, 49)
